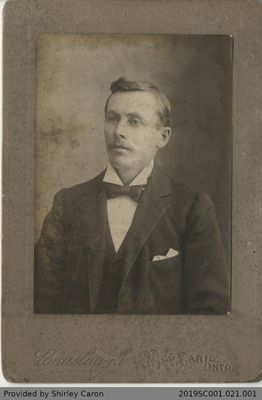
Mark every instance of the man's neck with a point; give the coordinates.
(127, 175)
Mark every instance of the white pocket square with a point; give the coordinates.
(171, 253)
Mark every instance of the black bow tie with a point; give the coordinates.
(113, 190)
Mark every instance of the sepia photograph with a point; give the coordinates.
(131, 192)
(133, 174)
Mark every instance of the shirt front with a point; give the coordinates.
(121, 209)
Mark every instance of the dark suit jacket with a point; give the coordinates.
(70, 254)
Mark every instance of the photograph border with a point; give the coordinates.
(122, 348)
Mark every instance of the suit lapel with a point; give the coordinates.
(93, 211)
(150, 209)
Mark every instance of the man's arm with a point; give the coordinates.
(49, 261)
(206, 273)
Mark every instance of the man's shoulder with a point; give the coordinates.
(186, 195)
(179, 189)
(80, 189)
(183, 189)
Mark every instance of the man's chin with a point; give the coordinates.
(120, 161)
(120, 164)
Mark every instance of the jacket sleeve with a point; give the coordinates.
(49, 260)
(206, 273)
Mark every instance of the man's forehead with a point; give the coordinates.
(132, 102)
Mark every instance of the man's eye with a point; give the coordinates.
(111, 118)
(134, 121)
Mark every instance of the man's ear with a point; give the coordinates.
(165, 136)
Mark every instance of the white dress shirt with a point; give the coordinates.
(121, 209)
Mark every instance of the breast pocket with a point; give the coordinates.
(171, 263)
(166, 284)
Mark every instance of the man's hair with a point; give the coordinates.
(124, 85)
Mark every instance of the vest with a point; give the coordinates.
(112, 276)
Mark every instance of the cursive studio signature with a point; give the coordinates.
(149, 359)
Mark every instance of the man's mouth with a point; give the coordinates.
(119, 147)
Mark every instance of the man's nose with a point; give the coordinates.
(120, 129)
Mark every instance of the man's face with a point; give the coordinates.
(133, 130)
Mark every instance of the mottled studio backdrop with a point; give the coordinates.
(74, 73)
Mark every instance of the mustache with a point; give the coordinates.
(120, 144)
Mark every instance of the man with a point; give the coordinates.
(131, 240)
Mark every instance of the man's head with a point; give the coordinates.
(137, 123)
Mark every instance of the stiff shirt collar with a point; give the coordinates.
(141, 179)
